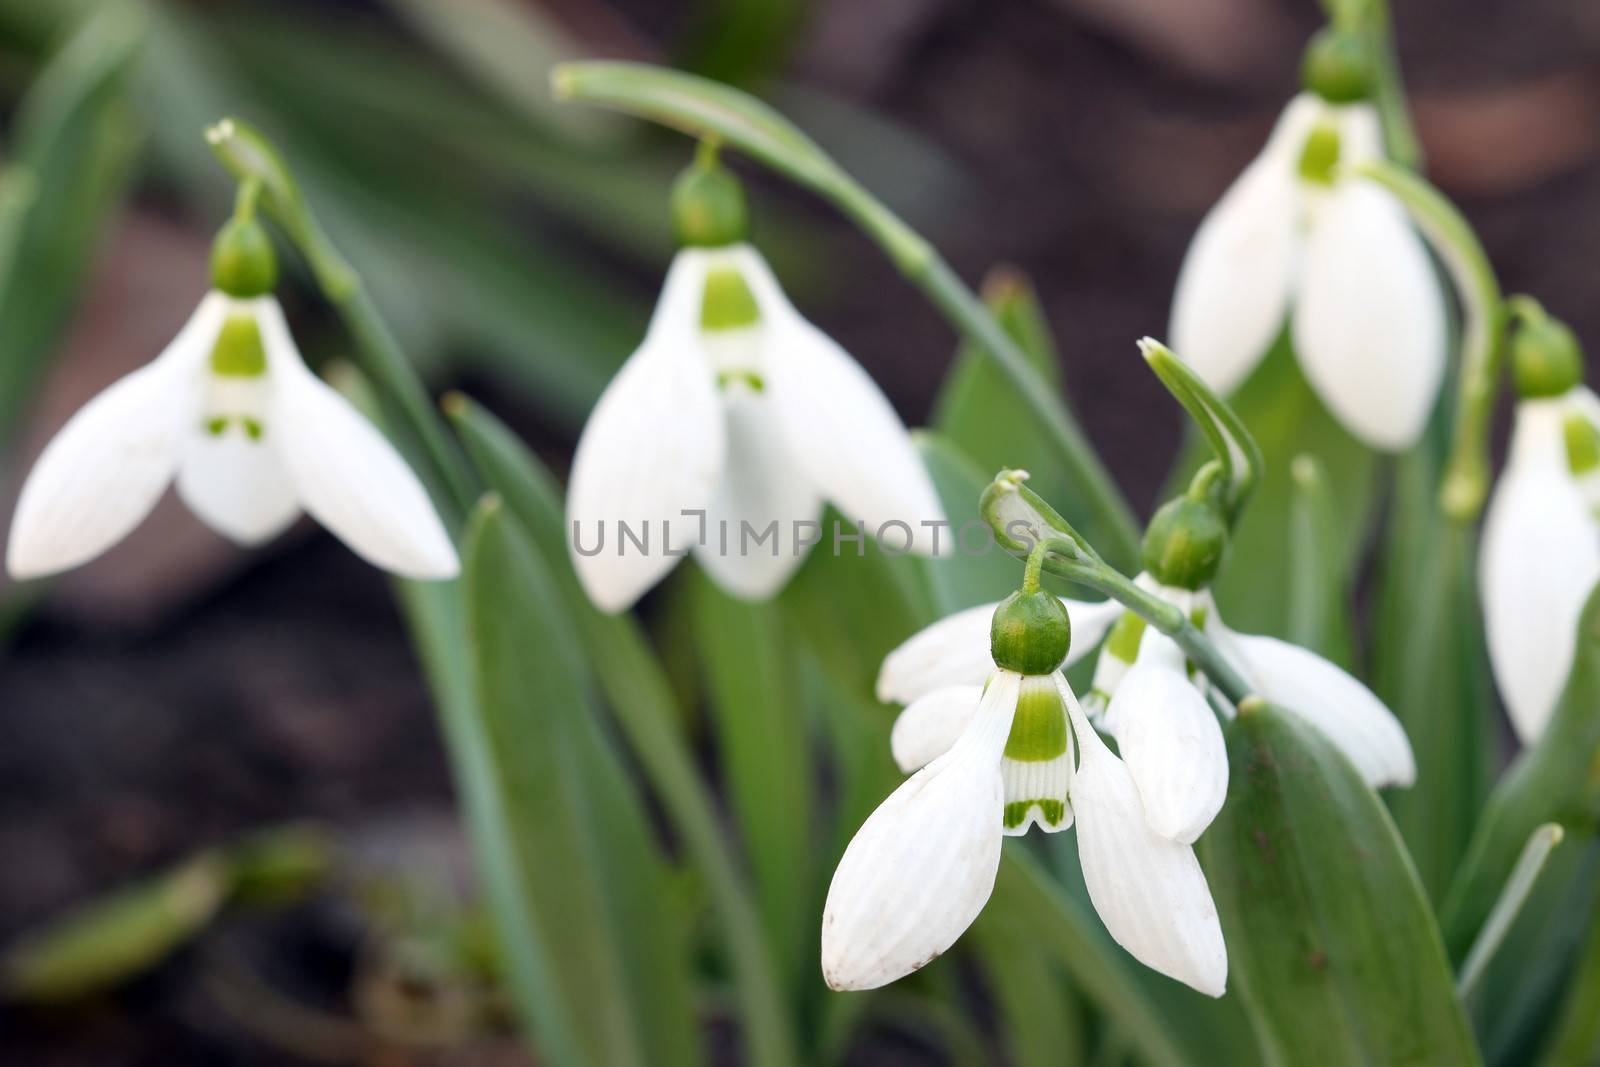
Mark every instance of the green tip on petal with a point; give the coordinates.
(727, 303)
(238, 352)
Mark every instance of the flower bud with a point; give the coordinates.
(1338, 66)
(1184, 543)
(1546, 360)
(708, 208)
(243, 263)
(1031, 633)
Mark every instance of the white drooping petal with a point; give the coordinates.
(1539, 561)
(653, 448)
(1170, 741)
(102, 473)
(923, 865)
(955, 650)
(755, 519)
(237, 486)
(1369, 316)
(1234, 287)
(1148, 890)
(930, 725)
(839, 425)
(345, 473)
(1360, 134)
(1348, 713)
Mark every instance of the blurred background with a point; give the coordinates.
(179, 693)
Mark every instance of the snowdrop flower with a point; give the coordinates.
(730, 426)
(1018, 752)
(1541, 540)
(231, 412)
(1298, 236)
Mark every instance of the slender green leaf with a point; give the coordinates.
(1040, 1021)
(765, 752)
(1553, 781)
(641, 697)
(1574, 1037)
(1319, 607)
(70, 154)
(534, 789)
(1330, 939)
(117, 936)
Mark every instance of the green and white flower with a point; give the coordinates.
(736, 412)
(231, 412)
(1299, 236)
(1541, 552)
(1020, 752)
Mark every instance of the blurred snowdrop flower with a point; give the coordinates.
(1540, 558)
(729, 427)
(231, 412)
(1298, 235)
(1018, 752)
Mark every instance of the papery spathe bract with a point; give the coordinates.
(231, 412)
(1541, 553)
(1300, 237)
(734, 413)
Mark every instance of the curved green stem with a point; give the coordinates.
(1465, 485)
(1070, 563)
(708, 109)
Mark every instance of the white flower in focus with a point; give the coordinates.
(1299, 236)
(1540, 558)
(735, 406)
(251, 436)
(1016, 754)
(1149, 719)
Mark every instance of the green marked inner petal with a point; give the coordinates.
(749, 379)
(1320, 156)
(1052, 811)
(238, 352)
(214, 426)
(1123, 641)
(727, 303)
(1039, 731)
(1583, 444)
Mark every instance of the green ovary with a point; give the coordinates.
(238, 352)
(1039, 730)
(727, 303)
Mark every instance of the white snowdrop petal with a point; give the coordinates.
(1539, 561)
(1234, 286)
(952, 651)
(1360, 134)
(755, 519)
(923, 865)
(1170, 741)
(653, 448)
(345, 473)
(105, 469)
(1369, 317)
(840, 426)
(1148, 890)
(930, 725)
(237, 486)
(1347, 712)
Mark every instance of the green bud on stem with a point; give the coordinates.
(1031, 633)
(1339, 66)
(243, 263)
(1546, 359)
(1184, 543)
(708, 208)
